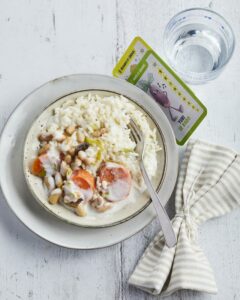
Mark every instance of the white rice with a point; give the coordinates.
(92, 111)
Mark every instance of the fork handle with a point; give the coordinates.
(164, 220)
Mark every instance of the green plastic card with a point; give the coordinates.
(141, 66)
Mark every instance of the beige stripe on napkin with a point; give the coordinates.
(208, 187)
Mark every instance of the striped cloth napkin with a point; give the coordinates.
(208, 187)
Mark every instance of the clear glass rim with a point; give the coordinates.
(198, 76)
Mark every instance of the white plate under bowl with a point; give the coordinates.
(12, 179)
(122, 210)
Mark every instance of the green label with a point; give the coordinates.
(151, 74)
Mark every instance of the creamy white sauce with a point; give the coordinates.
(118, 190)
(74, 192)
(112, 165)
(135, 193)
(51, 159)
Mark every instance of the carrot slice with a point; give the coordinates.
(83, 179)
(106, 174)
(37, 168)
(118, 178)
(112, 174)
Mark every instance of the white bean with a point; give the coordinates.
(55, 196)
(82, 155)
(80, 137)
(58, 180)
(76, 164)
(49, 182)
(63, 168)
(80, 210)
(89, 160)
(70, 129)
(67, 199)
(68, 158)
(100, 204)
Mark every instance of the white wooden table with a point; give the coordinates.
(41, 40)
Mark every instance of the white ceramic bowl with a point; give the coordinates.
(122, 210)
(12, 180)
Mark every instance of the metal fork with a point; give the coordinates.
(164, 220)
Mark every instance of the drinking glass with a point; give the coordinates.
(198, 43)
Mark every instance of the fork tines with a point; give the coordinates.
(136, 133)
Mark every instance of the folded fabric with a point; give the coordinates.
(208, 187)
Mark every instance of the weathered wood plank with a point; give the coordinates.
(148, 20)
(41, 40)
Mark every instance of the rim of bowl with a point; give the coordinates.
(202, 73)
